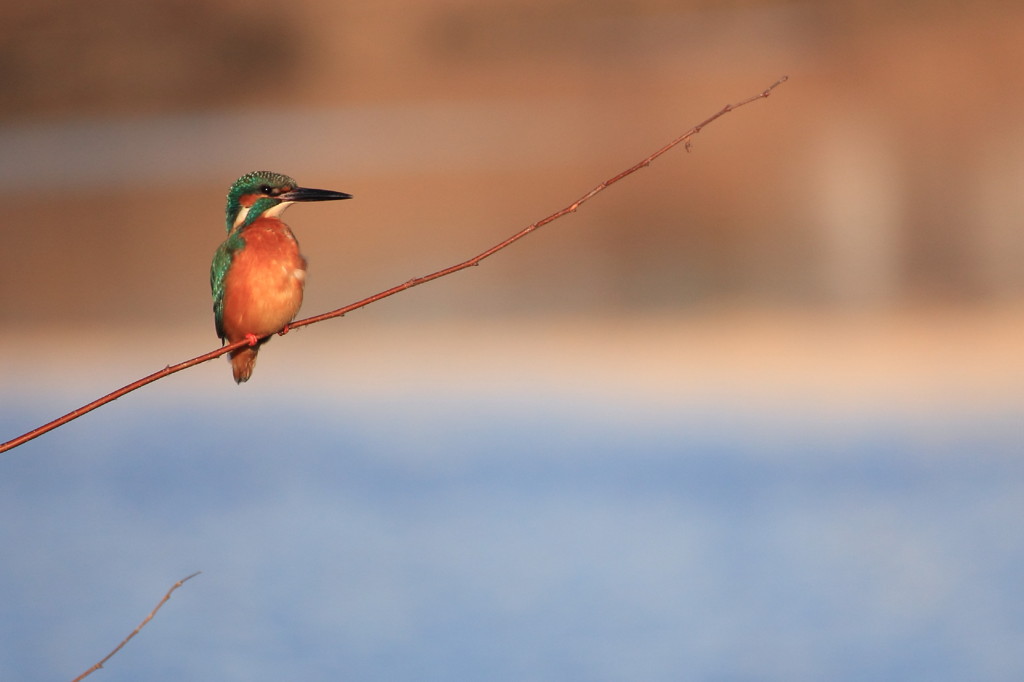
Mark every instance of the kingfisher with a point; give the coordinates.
(258, 274)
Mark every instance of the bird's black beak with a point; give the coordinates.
(307, 194)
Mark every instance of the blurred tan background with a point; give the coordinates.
(865, 220)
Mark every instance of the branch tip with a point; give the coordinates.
(98, 665)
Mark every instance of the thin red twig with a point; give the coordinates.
(416, 281)
(96, 666)
(571, 208)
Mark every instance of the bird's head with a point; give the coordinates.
(266, 194)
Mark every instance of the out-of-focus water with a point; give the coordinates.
(515, 537)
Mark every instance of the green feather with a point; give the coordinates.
(218, 274)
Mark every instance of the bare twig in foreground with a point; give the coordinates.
(136, 631)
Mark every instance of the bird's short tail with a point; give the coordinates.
(242, 362)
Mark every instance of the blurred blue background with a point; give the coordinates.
(557, 525)
(518, 537)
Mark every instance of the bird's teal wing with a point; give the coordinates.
(218, 275)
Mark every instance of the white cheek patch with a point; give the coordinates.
(299, 274)
(276, 210)
(242, 214)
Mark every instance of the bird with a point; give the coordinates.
(257, 275)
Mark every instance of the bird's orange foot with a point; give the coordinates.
(284, 330)
(252, 339)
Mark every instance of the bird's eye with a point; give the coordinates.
(266, 189)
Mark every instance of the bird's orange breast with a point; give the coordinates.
(263, 286)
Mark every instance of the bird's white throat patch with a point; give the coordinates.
(272, 212)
